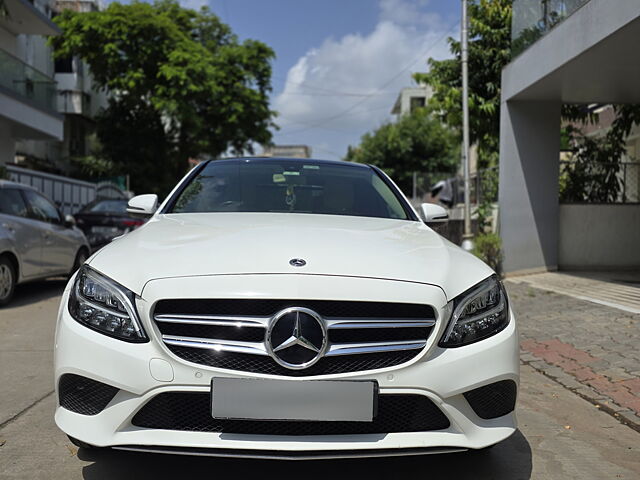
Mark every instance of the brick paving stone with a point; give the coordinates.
(589, 348)
(617, 374)
(632, 385)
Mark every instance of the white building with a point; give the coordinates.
(27, 88)
(287, 151)
(411, 98)
(76, 100)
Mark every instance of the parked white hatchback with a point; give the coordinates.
(285, 308)
(36, 240)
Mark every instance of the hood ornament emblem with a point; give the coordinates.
(297, 262)
(296, 338)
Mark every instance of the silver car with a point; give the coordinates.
(36, 240)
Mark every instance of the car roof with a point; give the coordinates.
(10, 184)
(291, 159)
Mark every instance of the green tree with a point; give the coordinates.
(182, 84)
(489, 52)
(593, 174)
(415, 143)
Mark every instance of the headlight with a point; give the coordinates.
(100, 303)
(478, 313)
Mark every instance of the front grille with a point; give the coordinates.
(191, 411)
(494, 400)
(230, 333)
(266, 365)
(83, 395)
(268, 307)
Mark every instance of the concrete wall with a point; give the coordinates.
(599, 236)
(528, 195)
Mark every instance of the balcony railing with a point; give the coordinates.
(27, 82)
(533, 18)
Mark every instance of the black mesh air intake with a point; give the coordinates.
(83, 395)
(266, 365)
(191, 411)
(493, 400)
(267, 307)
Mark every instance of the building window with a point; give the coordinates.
(416, 102)
(64, 65)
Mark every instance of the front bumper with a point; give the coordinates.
(142, 371)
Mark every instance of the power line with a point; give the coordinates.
(314, 87)
(336, 94)
(388, 82)
(299, 122)
(357, 112)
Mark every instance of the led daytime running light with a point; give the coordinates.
(477, 314)
(103, 305)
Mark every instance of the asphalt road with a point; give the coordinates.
(561, 436)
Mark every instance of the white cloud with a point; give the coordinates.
(194, 4)
(403, 12)
(345, 87)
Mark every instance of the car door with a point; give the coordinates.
(25, 233)
(58, 248)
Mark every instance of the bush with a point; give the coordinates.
(488, 248)
(4, 173)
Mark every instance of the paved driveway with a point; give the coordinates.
(589, 347)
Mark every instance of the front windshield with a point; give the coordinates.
(288, 186)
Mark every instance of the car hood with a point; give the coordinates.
(196, 244)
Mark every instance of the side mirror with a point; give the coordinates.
(69, 221)
(143, 205)
(433, 213)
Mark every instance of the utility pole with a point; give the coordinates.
(467, 237)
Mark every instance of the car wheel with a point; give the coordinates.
(81, 257)
(80, 443)
(7, 280)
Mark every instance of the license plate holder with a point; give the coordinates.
(287, 400)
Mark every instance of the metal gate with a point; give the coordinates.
(69, 194)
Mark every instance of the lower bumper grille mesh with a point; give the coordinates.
(494, 400)
(191, 411)
(83, 395)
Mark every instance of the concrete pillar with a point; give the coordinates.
(529, 168)
(7, 143)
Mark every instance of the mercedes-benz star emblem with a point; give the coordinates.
(296, 338)
(297, 262)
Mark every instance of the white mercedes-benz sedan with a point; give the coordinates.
(285, 308)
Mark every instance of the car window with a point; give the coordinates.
(289, 186)
(107, 206)
(40, 208)
(12, 203)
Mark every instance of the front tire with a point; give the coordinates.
(8, 280)
(80, 443)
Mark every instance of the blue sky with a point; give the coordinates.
(340, 63)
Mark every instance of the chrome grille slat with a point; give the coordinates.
(252, 348)
(356, 330)
(218, 320)
(335, 323)
(373, 347)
